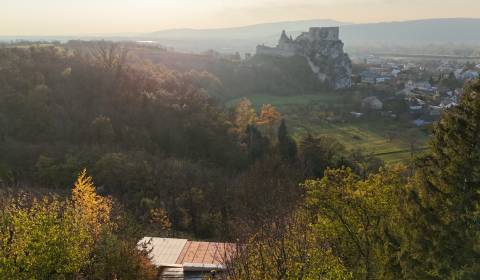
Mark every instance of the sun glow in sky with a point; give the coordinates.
(75, 17)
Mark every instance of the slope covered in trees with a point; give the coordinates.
(260, 74)
(53, 238)
(169, 161)
(150, 136)
(415, 222)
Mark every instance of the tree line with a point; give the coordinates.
(417, 221)
(170, 160)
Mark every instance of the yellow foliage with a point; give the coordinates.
(159, 217)
(64, 239)
(289, 249)
(268, 115)
(89, 207)
(245, 115)
(354, 214)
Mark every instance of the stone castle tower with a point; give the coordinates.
(323, 50)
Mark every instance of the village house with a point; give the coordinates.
(368, 77)
(372, 103)
(189, 260)
(382, 79)
(421, 85)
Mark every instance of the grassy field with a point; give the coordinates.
(365, 135)
(389, 139)
(282, 102)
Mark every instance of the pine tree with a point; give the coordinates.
(257, 144)
(444, 233)
(318, 153)
(286, 145)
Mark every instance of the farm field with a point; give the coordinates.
(389, 139)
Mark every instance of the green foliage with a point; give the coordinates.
(102, 131)
(443, 217)
(289, 248)
(268, 189)
(357, 218)
(330, 115)
(88, 107)
(318, 153)
(451, 81)
(39, 242)
(257, 144)
(286, 145)
(52, 238)
(116, 258)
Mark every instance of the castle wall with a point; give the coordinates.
(323, 50)
(263, 50)
(287, 46)
(325, 33)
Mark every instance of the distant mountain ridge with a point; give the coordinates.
(256, 30)
(454, 30)
(426, 29)
(460, 31)
(244, 39)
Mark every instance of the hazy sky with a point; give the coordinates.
(70, 17)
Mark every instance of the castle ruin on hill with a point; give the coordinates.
(323, 50)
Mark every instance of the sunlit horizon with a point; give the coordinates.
(55, 17)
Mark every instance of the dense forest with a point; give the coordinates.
(168, 159)
(258, 74)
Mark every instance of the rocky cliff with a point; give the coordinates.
(324, 52)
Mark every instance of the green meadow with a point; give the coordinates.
(391, 140)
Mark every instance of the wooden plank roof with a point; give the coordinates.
(172, 252)
(205, 252)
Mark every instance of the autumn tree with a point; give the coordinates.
(89, 208)
(158, 217)
(51, 238)
(244, 115)
(117, 255)
(110, 55)
(286, 248)
(40, 242)
(359, 219)
(268, 120)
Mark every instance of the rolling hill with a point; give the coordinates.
(406, 33)
(456, 31)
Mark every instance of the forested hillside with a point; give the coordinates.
(238, 77)
(167, 159)
(150, 136)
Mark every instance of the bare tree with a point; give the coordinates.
(112, 56)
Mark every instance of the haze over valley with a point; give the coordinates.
(240, 140)
(401, 36)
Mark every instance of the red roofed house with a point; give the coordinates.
(189, 260)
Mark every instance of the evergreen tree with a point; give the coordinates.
(257, 144)
(444, 233)
(318, 153)
(286, 145)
